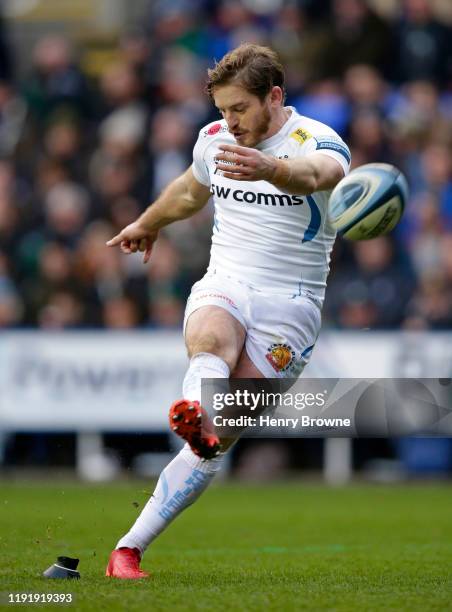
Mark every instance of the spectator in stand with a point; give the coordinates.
(288, 39)
(181, 87)
(234, 23)
(122, 211)
(425, 233)
(374, 290)
(170, 139)
(422, 45)
(136, 52)
(168, 286)
(55, 81)
(368, 136)
(63, 310)
(63, 143)
(365, 88)
(13, 113)
(431, 305)
(10, 302)
(355, 34)
(120, 313)
(122, 90)
(100, 275)
(13, 198)
(55, 274)
(66, 211)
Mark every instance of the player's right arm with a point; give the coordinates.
(181, 199)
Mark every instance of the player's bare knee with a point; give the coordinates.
(204, 343)
(212, 343)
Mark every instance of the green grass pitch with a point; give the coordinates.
(288, 546)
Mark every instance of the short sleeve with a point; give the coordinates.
(333, 146)
(199, 167)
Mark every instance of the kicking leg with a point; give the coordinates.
(214, 341)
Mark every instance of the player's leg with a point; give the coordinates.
(214, 340)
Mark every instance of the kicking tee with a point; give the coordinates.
(273, 241)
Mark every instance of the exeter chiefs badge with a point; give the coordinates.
(281, 357)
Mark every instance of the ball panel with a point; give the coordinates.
(343, 209)
(402, 185)
(379, 200)
(368, 202)
(379, 222)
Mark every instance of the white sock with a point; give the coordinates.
(187, 476)
(180, 484)
(202, 365)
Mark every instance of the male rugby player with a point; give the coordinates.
(257, 311)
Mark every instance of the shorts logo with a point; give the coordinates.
(204, 296)
(281, 357)
(301, 135)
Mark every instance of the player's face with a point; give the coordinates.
(248, 118)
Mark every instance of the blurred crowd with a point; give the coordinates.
(80, 157)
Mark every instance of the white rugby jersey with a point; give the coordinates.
(273, 241)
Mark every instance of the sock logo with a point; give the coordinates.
(179, 499)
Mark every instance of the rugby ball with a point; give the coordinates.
(368, 202)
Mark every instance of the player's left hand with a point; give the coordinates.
(245, 164)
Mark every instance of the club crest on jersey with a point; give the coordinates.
(301, 135)
(281, 357)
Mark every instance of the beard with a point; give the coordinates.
(261, 128)
(264, 123)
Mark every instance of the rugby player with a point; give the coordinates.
(257, 311)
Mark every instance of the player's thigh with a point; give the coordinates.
(212, 329)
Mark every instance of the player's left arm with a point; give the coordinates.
(302, 175)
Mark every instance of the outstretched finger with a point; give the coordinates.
(115, 240)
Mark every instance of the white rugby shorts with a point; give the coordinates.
(280, 330)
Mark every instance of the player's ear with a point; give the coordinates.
(276, 96)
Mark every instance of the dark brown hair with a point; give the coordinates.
(254, 67)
